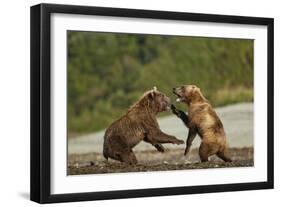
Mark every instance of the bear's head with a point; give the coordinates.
(155, 100)
(188, 94)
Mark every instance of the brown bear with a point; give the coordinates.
(138, 124)
(202, 120)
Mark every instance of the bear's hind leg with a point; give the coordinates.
(128, 157)
(133, 158)
(224, 156)
(204, 152)
(115, 148)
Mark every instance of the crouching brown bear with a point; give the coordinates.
(138, 124)
(202, 120)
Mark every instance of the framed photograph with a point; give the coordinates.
(133, 103)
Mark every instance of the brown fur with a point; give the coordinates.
(204, 121)
(138, 124)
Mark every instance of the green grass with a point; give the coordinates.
(228, 96)
(106, 72)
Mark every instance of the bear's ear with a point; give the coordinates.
(196, 92)
(151, 95)
(197, 89)
(154, 88)
(193, 91)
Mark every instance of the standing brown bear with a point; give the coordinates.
(202, 119)
(138, 124)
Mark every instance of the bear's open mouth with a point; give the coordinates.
(178, 95)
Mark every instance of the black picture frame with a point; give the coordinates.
(41, 99)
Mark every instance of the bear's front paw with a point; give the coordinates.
(174, 109)
(178, 142)
(159, 148)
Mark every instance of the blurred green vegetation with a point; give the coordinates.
(108, 72)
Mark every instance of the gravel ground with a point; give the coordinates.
(94, 163)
